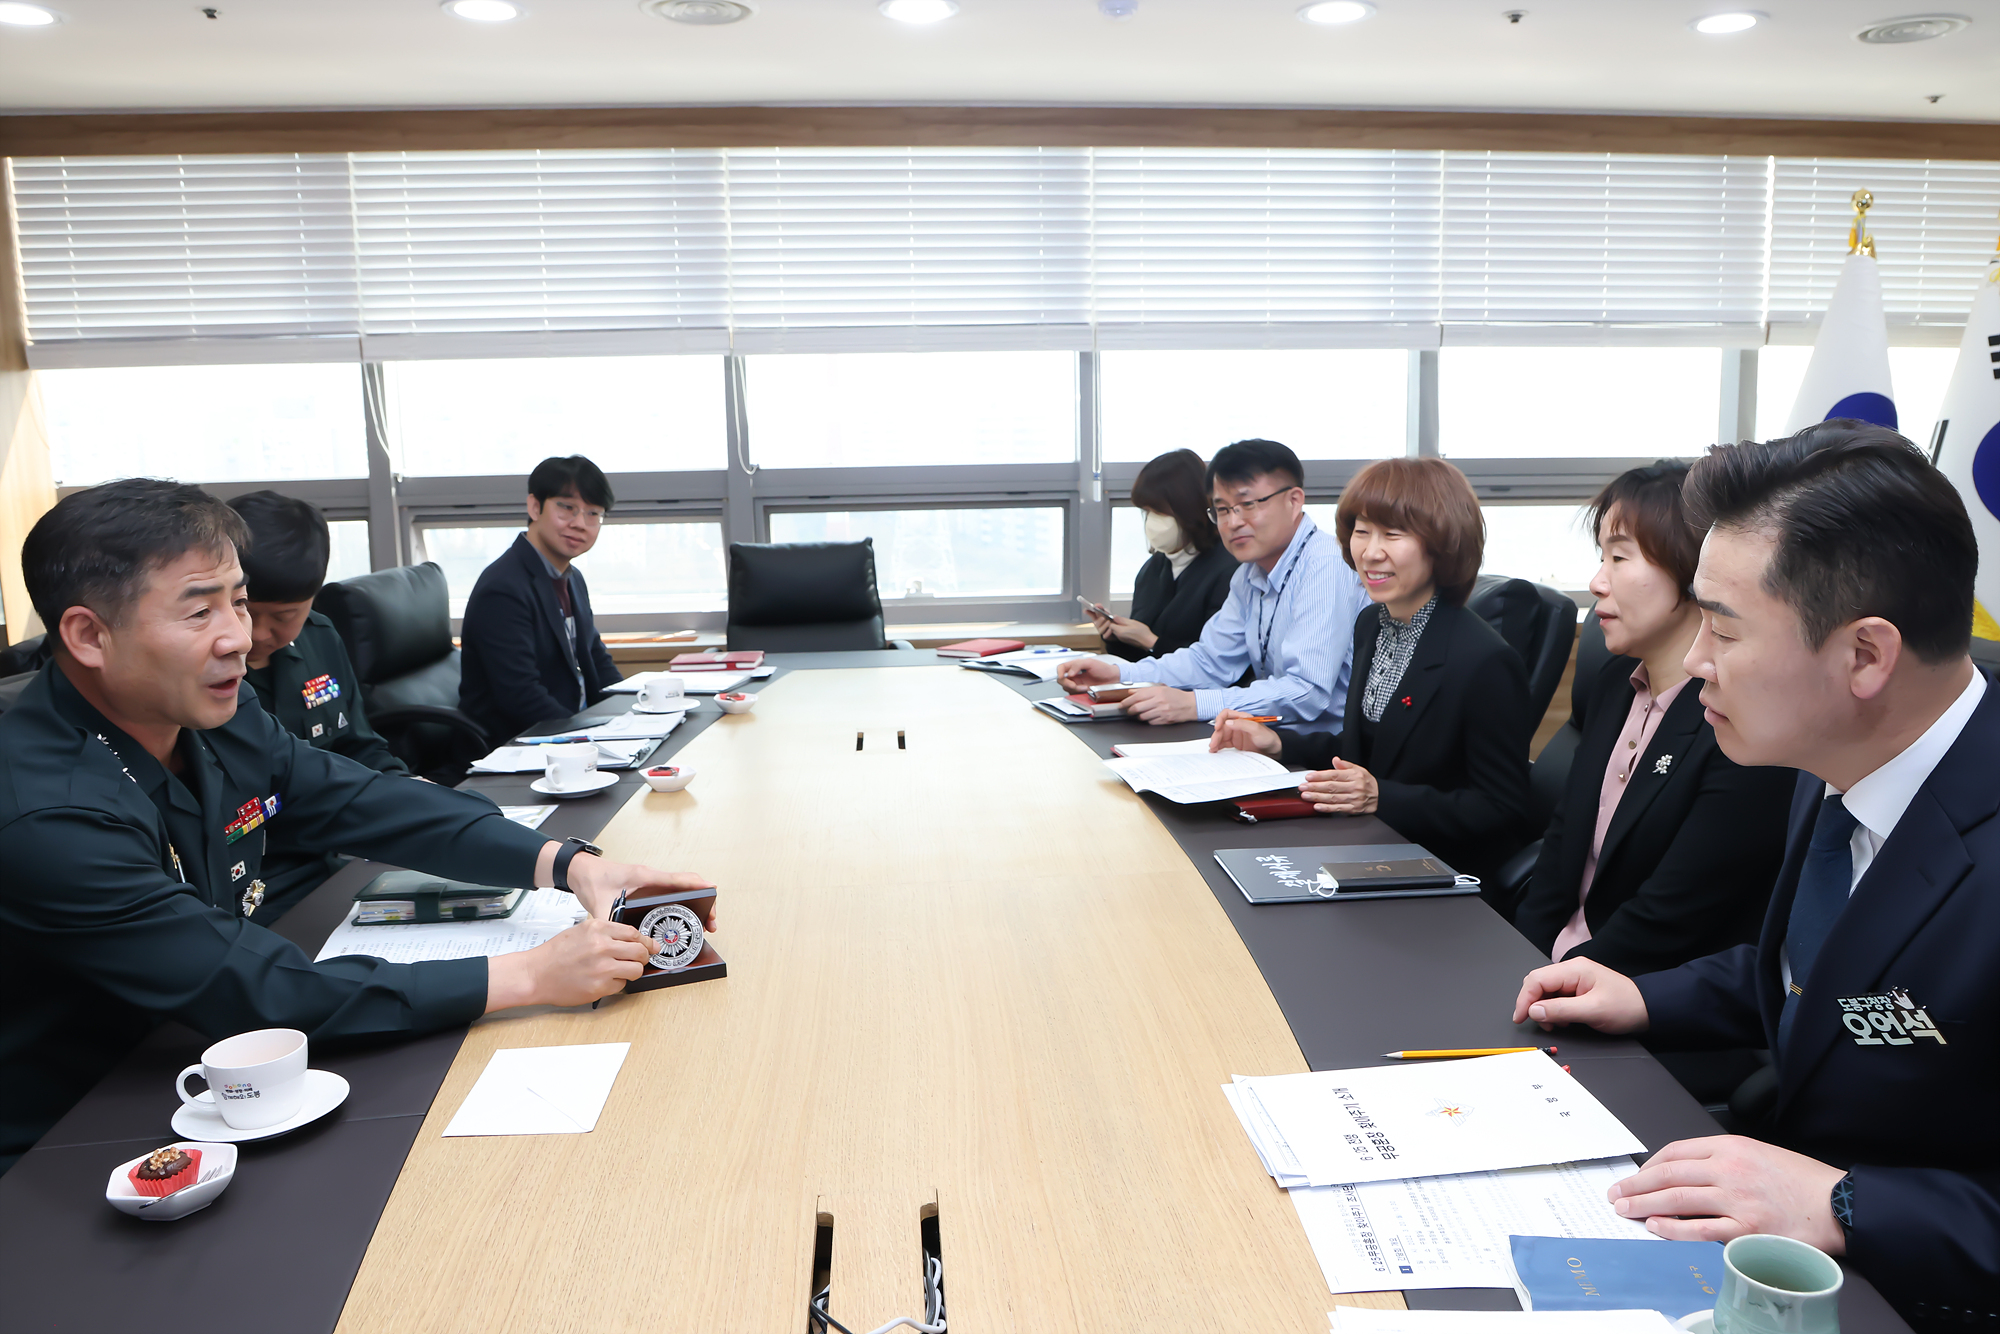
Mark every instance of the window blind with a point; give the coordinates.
(1933, 224)
(415, 255)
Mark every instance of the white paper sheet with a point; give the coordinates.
(1187, 777)
(541, 1090)
(1361, 1320)
(624, 727)
(1434, 1118)
(530, 760)
(543, 914)
(1451, 1232)
(1042, 662)
(1146, 750)
(531, 816)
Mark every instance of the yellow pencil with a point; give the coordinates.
(1446, 1053)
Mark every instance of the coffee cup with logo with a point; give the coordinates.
(658, 693)
(1775, 1285)
(255, 1079)
(571, 765)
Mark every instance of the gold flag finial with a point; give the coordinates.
(1858, 239)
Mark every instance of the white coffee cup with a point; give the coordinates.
(255, 1079)
(657, 694)
(571, 764)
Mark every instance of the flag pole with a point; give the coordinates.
(1858, 239)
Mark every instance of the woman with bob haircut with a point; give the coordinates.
(1186, 580)
(1662, 849)
(1438, 722)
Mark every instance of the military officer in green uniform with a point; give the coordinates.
(140, 794)
(298, 664)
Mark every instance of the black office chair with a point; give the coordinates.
(804, 597)
(1537, 621)
(1548, 776)
(397, 626)
(27, 656)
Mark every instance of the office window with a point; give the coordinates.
(205, 423)
(1919, 374)
(634, 568)
(953, 553)
(898, 408)
(1577, 402)
(349, 554)
(626, 414)
(1128, 547)
(1550, 544)
(1348, 404)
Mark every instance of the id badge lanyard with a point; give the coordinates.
(1275, 601)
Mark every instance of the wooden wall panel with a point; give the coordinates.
(26, 491)
(737, 127)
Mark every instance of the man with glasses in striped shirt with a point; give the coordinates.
(1282, 645)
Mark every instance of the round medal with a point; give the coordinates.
(675, 935)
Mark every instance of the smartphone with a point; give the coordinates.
(1093, 608)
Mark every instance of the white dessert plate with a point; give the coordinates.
(199, 1119)
(218, 1167)
(597, 782)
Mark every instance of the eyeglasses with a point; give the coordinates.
(569, 509)
(1248, 509)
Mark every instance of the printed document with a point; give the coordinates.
(1190, 777)
(625, 727)
(1452, 1231)
(531, 816)
(543, 914)
(1359, 1320)
(530, 760)
(1381, 1123)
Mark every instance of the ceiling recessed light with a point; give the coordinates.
(703, 13)
(1742, 20)
(1916, 28)
(1337, 11)
(918, 11)
(483, 11)
(25, 16)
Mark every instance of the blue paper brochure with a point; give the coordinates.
(1675, 1278)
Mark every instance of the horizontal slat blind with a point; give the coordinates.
(530, 253)
(1933, 224)
(186, 247)
(1187, 239)
(867, 238)
(1602, 238)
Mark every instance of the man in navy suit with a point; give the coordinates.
(531, 648)
(1836, 593)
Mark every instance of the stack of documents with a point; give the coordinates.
(526, 759)
(695, 683)
(1038, 663)
(544, 914)
(625, 727)
(1414, 1176)
(1359, 1320)
(1185, 775)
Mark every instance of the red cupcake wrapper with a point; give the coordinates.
(187, 1176)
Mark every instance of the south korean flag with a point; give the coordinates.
(1966, 442)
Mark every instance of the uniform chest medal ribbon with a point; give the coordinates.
(320, 690)
(251, 815)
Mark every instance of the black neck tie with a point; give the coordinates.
(1824, 883)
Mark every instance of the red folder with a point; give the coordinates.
(1255, 810)
(980, 648)
(743, 660)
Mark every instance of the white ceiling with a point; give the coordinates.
(1592, 55)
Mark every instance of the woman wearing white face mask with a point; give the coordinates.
(1186, 580)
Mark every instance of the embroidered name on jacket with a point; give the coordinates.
(320, 690)
(251, 816)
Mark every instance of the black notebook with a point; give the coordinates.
(1359, 871)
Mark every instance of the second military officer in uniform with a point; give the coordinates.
(141, 791)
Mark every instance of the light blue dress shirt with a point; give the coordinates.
(1293, 627)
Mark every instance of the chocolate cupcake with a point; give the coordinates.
(164, 1171)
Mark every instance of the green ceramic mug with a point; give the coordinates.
(1774, 1285)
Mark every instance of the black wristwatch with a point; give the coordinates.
(1843, 1202)
(564, 855)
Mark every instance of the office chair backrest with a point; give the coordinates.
(1591, 655)
(27, 656)
(397, 625)
(1538, 621)
(802, 597)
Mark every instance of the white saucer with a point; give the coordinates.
(682, 705)
(597, 783)
(1700, 1322)
(218, 1168)
(324, 1092)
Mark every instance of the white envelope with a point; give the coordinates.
(541, 1090)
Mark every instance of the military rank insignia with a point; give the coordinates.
(251, 816)
(1893, 1020)
(320, 690)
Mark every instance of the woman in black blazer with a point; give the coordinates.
(1186, 580)
(1681, 845)
(1435, 735)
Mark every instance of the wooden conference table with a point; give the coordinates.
(971, 977)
